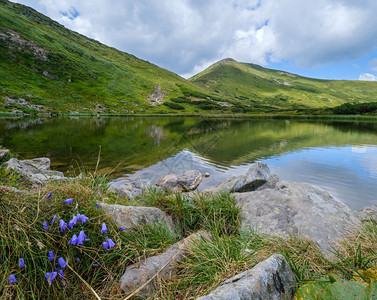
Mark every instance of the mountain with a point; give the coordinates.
(44, 67)
(255, 86)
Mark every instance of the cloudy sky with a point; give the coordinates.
(335, 39)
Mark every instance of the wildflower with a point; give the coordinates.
(68, 201)
(73, 240)
(21, 263)
(53, 220)
(63, 225)
(48, 196)
(108, 244)
(50, 277)
(45, 225)
(121, 228)
(50, 256)
(94, 265)
(12, 279)
(61, 274)
(97, 205)
(78, 259)
(82, 218)
(81, 238)
(62, 262)
(104, 228)
(72, 222)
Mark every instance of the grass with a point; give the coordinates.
(227, 252)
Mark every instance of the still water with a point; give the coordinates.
(338, 156)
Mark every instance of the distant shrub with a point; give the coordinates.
(173, 105)
(355, 109)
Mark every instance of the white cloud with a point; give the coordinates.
(186, 35)
(368, 77)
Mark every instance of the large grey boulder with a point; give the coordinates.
(270, 279)
(185, 182)
(35, 171)
(299, 209)
(130, 216)
(257, 175)
(144, 275)
(125, 187)
(3, 154)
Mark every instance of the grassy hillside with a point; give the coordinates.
(46, 64)
(45, 67)
(255, 86)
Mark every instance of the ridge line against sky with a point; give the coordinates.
(328, 39)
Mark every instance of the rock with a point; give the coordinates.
(125, 187)
(9, 189)
(257, 175)
(150, 270)
(270, 279)
(35, 171)
(185, 182)
(270, 184)
(366, 213)
(297, 208)
(206, 174)
(3, 154)
(129, 216)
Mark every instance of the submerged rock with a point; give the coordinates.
(129, 216)
(125, 187)
(270, 279)
(185, 182)
(257, 175)
(35, 171)
(299, 209)
(159, 267)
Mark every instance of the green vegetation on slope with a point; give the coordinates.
(46, 64)
(257, 87)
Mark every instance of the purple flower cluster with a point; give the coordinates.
(108, 244)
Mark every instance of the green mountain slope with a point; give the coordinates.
(46, 64)
(255, 86)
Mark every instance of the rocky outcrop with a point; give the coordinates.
(125, 187)
(185, 182)
(257, 175)
(35, 171)
(296, 208)
(3, 154)
(143, 275)
(23, 102)
(367, 213)
(129, 216)
(270, 279)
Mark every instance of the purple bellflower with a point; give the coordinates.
(50, 277)
(73, 240)
(50, 256)
(81, 238)
(68, 201)
(45, 225)
(12, 279)
(104, 228)
(48, 196)
(62, 262)
(63, 225)
(21, 263)
(72, 222)
(53, 220)
(108, 244)
(121, 228)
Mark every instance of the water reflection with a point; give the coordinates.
(338, 156)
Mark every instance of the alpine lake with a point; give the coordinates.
(338, 156)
